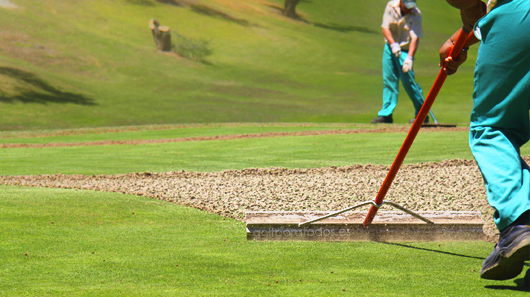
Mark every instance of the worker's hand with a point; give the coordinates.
(449, 64)
(407, 65)
(396, 49)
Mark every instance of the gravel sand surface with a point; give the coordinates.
(449, 185)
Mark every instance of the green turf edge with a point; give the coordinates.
(82, 243)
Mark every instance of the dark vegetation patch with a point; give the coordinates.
(28, 88)
(208, 11)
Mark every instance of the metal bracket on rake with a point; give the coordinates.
(367, 203)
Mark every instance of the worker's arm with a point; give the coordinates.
(388, 35)
(470, 11)
(409, 60)
(394, 46)
(414, 42)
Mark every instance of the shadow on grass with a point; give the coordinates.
(36, 90)
(332, 27)
(431, 250)
(170, 2)
(141, 2)
(520, 283)
(519, 288)
(344, 29)
(208, 11)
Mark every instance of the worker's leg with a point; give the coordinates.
(506, 175)
(390, 83)
(499, 121)
(500, 125)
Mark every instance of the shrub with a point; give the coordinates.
(191, 48)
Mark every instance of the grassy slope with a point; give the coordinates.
(92, 63)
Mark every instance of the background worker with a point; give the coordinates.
(500, 122)
(402, 29)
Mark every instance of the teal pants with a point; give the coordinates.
(392, 73)
(501, 102)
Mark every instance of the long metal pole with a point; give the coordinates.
(440, 79)
(413, 80)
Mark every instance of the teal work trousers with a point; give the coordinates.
(501, 101)
(392, 73)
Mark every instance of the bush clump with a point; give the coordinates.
(191, 48)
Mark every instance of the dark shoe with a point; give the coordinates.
(383, 119)
(508, 257)
(426, 121)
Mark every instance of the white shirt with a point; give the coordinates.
(402, 27)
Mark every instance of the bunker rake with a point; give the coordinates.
(435, 122)
(348, 225)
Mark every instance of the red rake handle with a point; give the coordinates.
(440, 79)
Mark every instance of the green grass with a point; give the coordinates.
(59, 242)
(87, 70)
(217, 155)
(79, 243)
(165, 131)
(95, 64)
